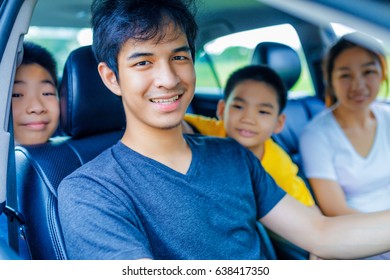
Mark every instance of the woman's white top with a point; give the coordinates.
(327, 153)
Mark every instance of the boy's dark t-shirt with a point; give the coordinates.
(123, 205)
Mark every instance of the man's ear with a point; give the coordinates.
(280, 123)
(220, 109)
(109, 78)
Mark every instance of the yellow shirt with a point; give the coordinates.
(275, 160)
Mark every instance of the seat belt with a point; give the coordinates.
(15, 219)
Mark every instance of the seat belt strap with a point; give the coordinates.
(14, 217)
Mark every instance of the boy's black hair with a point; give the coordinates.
(259, 73)
(116, 21)
(33, 53)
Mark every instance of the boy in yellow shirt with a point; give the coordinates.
(251, 112)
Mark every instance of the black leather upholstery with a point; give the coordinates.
(283, 59)
(93, 124)
(87, 105)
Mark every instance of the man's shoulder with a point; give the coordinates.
(104, 161)
(209, 141)
(217, 147)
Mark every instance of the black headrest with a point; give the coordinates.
(88, 107)
(281, 58)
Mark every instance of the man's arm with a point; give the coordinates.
(343, 237)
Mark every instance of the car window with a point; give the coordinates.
(220, 57)
(60, 41)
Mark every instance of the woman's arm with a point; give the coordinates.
(330, 197)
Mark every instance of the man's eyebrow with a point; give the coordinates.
(143, 54)
(138, 54)
(182, 49)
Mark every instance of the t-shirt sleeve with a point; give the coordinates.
(317, 153)
(106, 230)
(267, 192)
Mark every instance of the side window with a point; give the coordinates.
(220, 57)
(59, 41)
(207, 80)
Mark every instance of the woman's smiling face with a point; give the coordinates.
(356, 78)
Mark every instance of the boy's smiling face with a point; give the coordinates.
(251, 114)
(156, 80)
(35, 105)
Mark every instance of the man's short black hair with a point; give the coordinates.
(259, 73)
(33, 53)
(114, 22)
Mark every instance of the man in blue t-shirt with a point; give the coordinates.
(158, 194)
(158, 212)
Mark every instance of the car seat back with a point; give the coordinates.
(283, 59)
(93, 119)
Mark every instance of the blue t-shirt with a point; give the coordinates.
(123, 205)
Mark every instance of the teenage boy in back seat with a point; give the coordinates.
(159, 194)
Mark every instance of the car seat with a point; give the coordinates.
(299, 111)
(93, 119)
